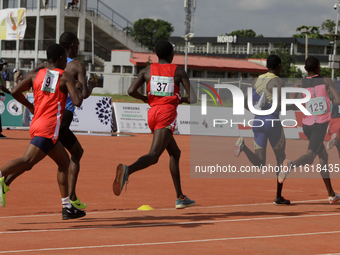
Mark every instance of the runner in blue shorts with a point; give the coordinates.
(266, 129)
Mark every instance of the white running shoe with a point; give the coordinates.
(238, 147)
(286, 166)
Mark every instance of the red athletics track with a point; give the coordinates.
(232, 216)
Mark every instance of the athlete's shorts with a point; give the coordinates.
(44, 144)
(66, 136)
(334, 126)
(162, 116)
(266, 129)
(315, 134)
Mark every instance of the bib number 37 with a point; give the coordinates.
(162, 86)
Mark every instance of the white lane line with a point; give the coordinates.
(163, 209)
(173, 242)
(170, 223)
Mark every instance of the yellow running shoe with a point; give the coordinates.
(77, 204)
(4, 190)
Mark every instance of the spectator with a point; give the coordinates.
(16, 76)
(4, 89)
(5, 74)
(72, 4)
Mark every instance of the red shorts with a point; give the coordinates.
(334, 126)
(161, 116)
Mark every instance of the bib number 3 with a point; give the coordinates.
(50, 81)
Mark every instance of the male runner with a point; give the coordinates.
(315, 125)
(67, 138)
(50, 87)
(77, 69)
(163, 79)
(263, 86)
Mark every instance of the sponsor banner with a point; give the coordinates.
(191, 121)
(220, 121)
(12, 24)
(131, 118)
(11, 112)
(94, 115)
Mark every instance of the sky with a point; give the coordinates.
(271, 18)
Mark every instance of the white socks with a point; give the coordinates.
(66, 202)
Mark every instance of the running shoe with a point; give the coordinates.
(334, 199)
(77, 204)
(72, 213)
(238, 147)
(122, 176)
(184, 203)
(281, 201)
(286, 166)
(4, 190)
(2, 136)
(332, 142)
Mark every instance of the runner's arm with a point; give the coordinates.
(192, 98)
(77, 69)
(74, 89)
(136, 84)
(333, 91)
(23, 86)
(39, 67)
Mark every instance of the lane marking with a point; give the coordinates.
(170, 223)
(173, 242)
(161, 209)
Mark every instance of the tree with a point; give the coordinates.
(295, 72)
(287, 60)
(261, 55)
(148, 31)
(244, 33)
(328, 26)
(325, 71)
(314, 32)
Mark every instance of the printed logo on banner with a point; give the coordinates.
(103, 111)
(2, 107)
(14, 108)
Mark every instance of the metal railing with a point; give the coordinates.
(111, 15)
(99, 51)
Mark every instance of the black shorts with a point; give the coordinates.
(66, 136)
(43, 143)
(315, 134)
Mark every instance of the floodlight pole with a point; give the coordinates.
(335, 36)
(187, 37)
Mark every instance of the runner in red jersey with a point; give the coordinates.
(77, 69)
(50, 87)
(163, 97)
(49, 103)
(163, 79)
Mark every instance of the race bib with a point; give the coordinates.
(50, 81)
(162, 86)
(317, 105)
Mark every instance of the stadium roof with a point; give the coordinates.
(201, 62)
